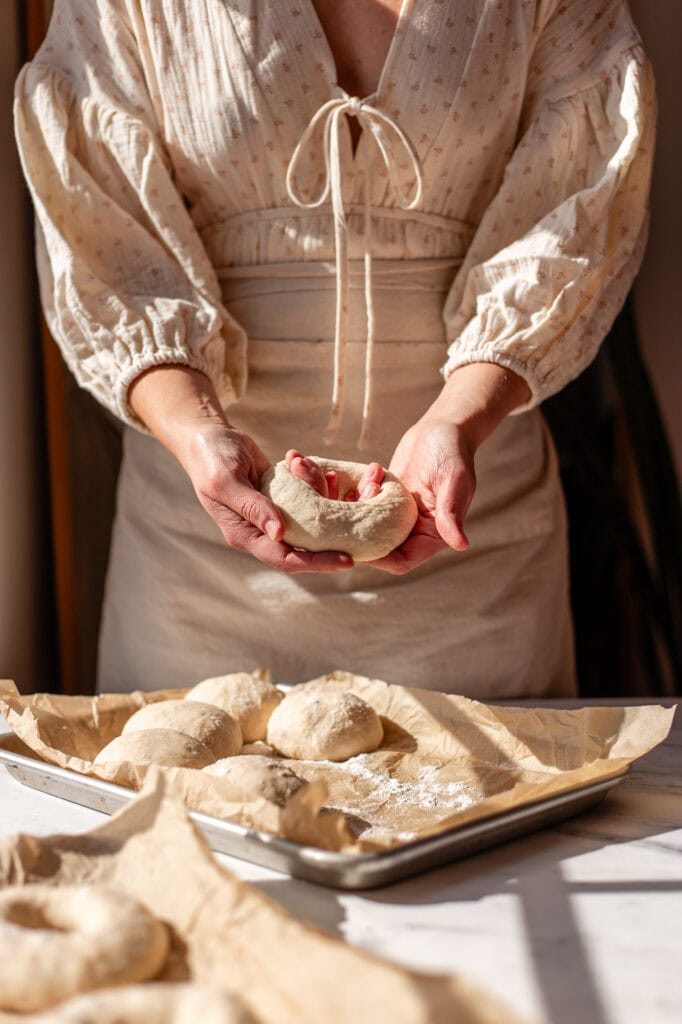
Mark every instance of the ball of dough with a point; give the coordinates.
(56, 942)
(323, 723)
(366, 530)
(155, 1003)
(157, 746)
(205, 722)
(249, 697)
(253, 776)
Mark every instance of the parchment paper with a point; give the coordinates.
(226, 933)
(69, 732)
(445, 760)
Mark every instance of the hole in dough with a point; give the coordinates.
(65, 940)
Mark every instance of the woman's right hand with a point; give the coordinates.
(224, 465)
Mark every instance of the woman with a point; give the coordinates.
(432, 211)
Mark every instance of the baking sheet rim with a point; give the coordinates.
(327, 867)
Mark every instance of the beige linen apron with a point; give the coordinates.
(493, 621)
(199, 202)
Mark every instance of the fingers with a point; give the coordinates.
(249, 505)
(292, 560)
(453, 498)
(418, 548)
(244, 536)
(307, 471)
(370, 482)
(374, 473)
(368, 490)
(332, 479)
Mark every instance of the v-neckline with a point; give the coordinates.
(405, 9)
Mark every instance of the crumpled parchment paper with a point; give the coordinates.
(226, 933)
(445, 760)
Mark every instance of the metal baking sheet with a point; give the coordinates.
(337, 870)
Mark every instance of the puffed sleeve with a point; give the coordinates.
(558, 248)
(125, 282)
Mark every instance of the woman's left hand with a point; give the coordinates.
(435, 458)
(435, 461)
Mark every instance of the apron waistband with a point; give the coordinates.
(294, 300)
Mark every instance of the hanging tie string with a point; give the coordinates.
(380, 127)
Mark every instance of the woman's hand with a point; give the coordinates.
(435, 462)
(435, 458)
(180, 408)
(225, 467)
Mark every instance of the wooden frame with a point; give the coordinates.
(36, 17)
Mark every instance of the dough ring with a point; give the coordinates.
(166, 747)
(204, 722)
(366, 530)
(155, 1003)
(249, 697)
(320, 722)
(57, 942)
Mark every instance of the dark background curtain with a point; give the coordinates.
(625, 523)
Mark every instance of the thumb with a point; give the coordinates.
(254, 507)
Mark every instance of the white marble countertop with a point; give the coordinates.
(578, 924)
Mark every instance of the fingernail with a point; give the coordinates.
(272, 528)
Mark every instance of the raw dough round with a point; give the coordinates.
(249, 697)
(255, 776)
(205, 722)
(322, 723)
(363, 529)
(58, 942)
(155, 1003)
(157, 746)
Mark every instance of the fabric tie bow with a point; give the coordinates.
(382, 129)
